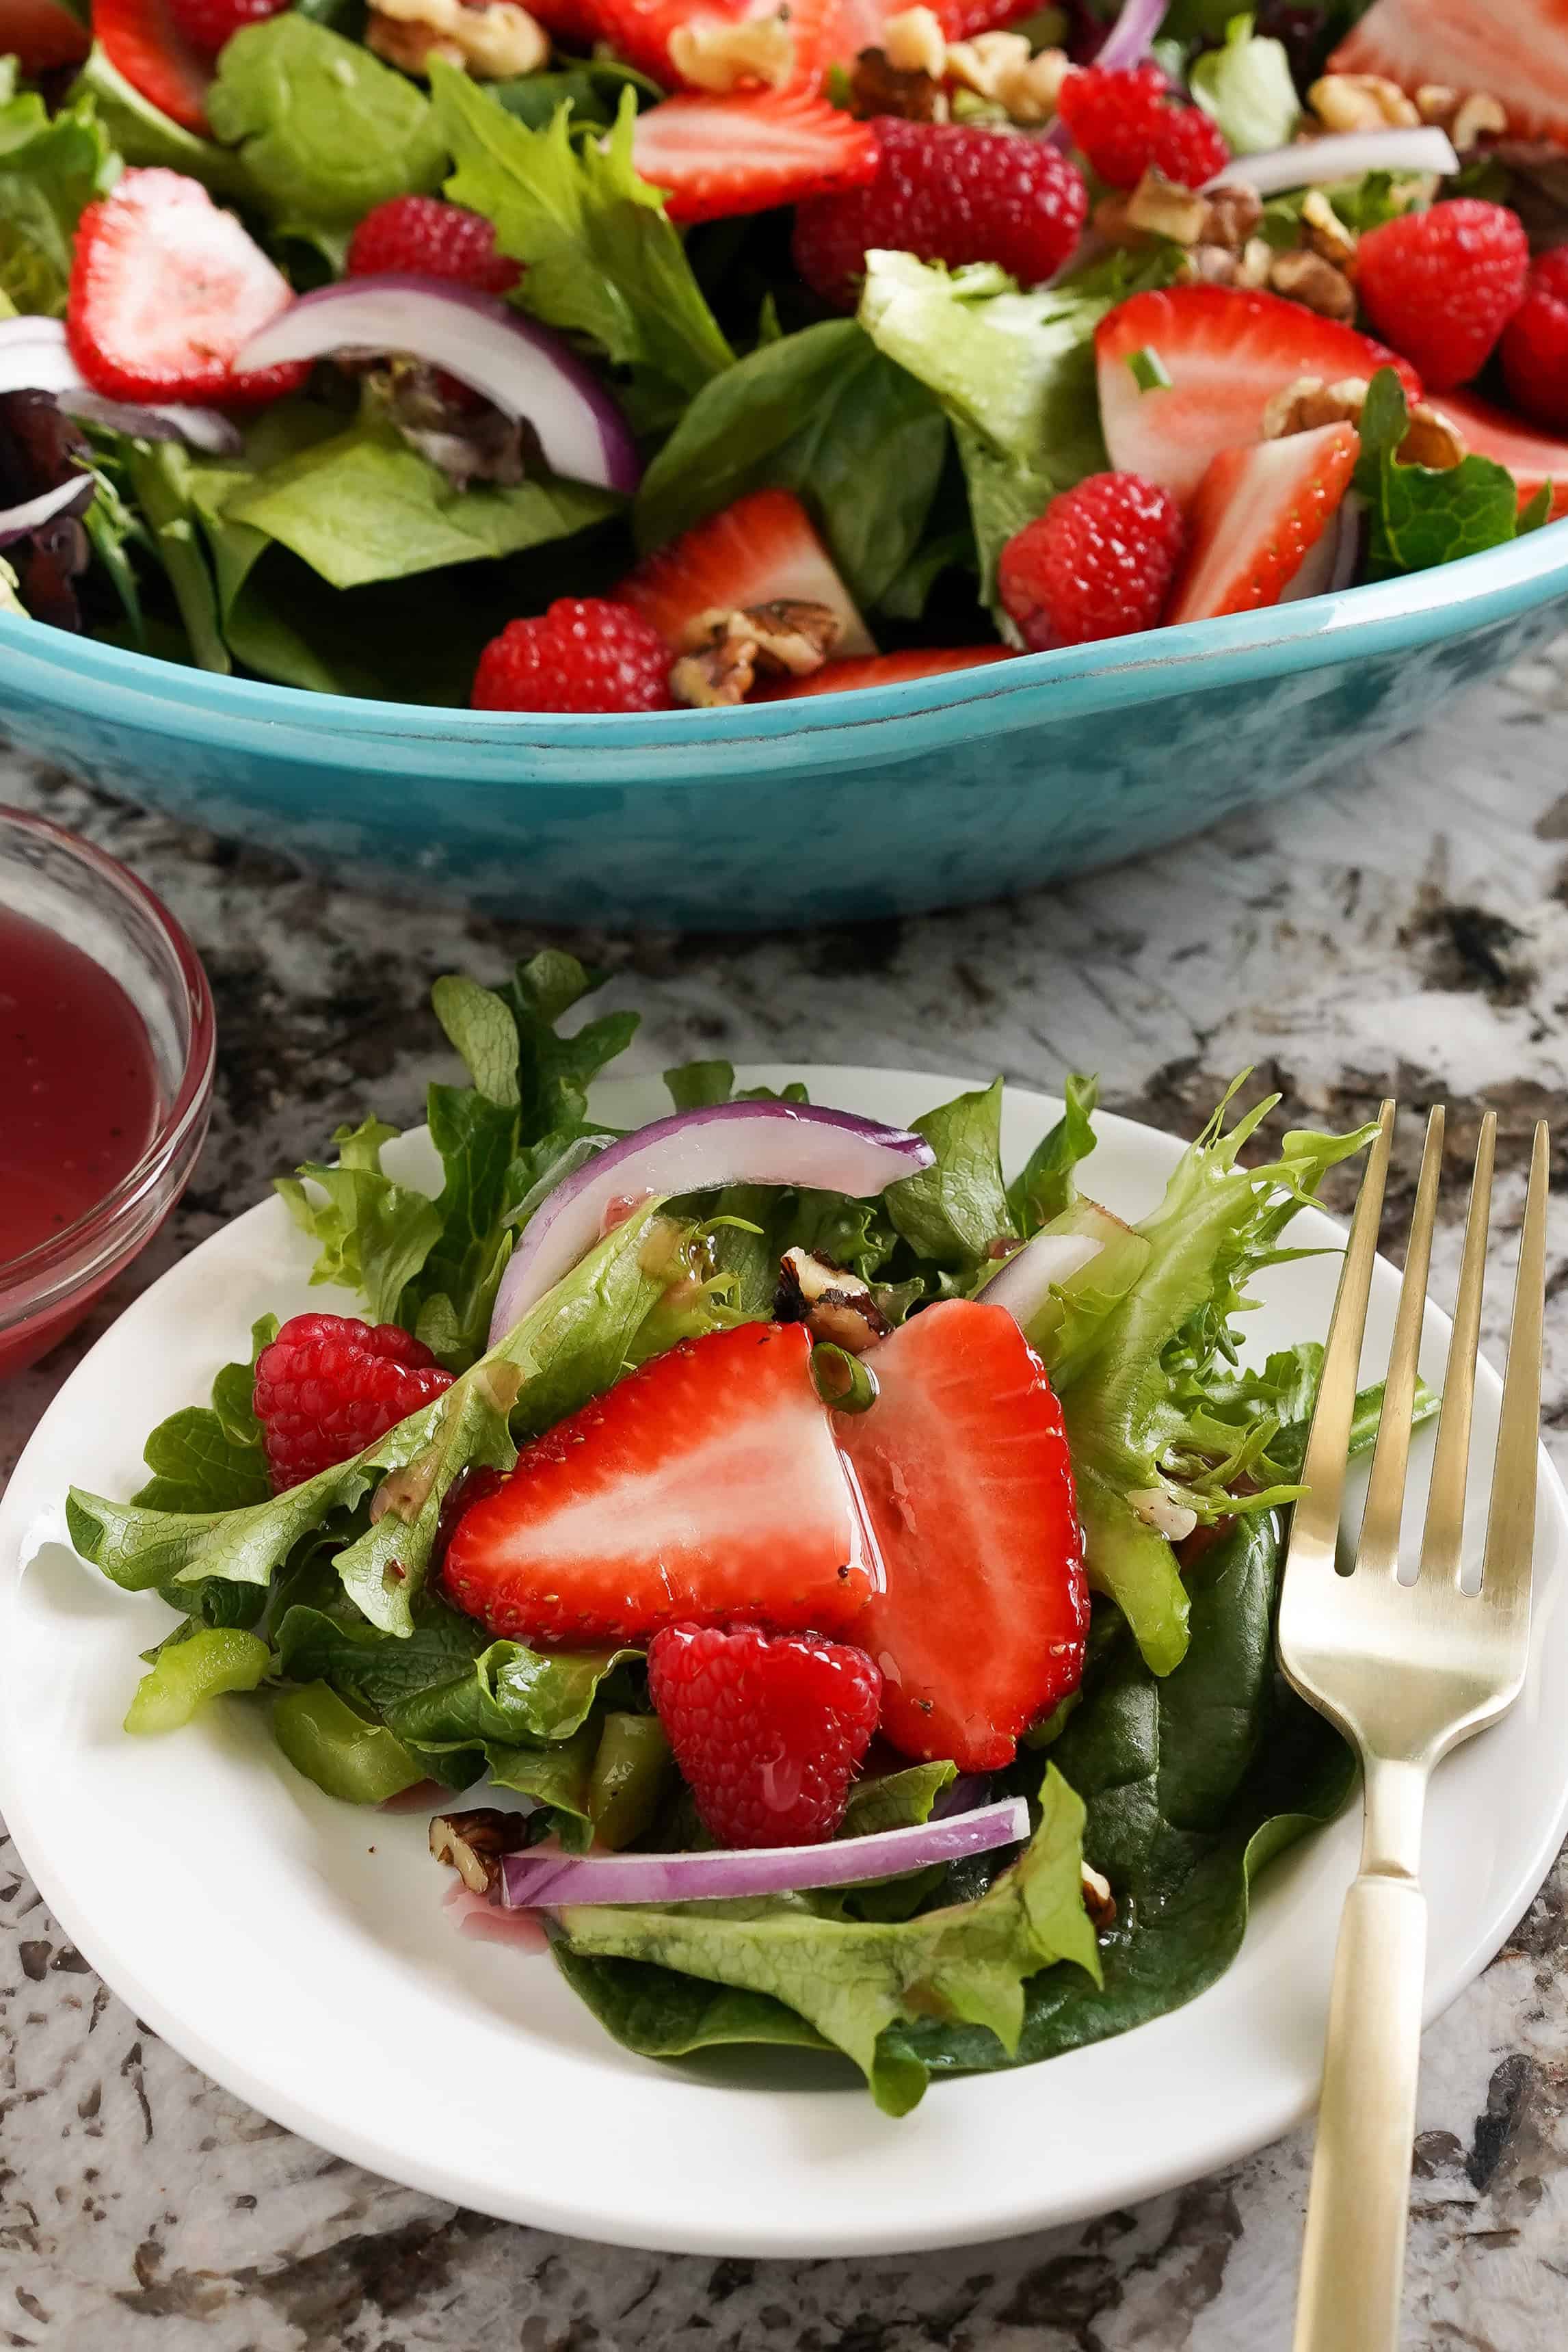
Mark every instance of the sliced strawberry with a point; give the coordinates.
(965, 1480)
(1227, 354)
(704, 1486)
(719, 156)
(166, 289)
(1532, 457)
(142, 41)
(753, 44)
(42, 35)
(759, 550)
(1259, 511)
(881, 669)
(1516, 53)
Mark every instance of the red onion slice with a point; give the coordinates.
(699, 1151)
(1349, 155)
(1025, 1281)
(536, 1879)
(66, 499)
(528, 373)
(1128, 39)
(35, 356)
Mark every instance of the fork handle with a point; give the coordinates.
(1353, 2265)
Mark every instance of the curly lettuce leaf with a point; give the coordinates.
(324, 130)
(1424, 515)
(567, 1348)
(601, 257)
(1246, 86)
(851, 1979)
(826, 415)
(1133, 1392)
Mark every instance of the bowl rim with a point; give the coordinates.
(1378, 617)
(35, 1283)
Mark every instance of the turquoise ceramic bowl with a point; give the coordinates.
(886, 802)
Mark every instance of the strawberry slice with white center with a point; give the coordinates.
(42, 35)
(1532, 457)
(166, 289)
(760, 550)
(706, 1486)
(143, 43)
(1516, 53)
(719, 156)
(965, 1483)
(1258, 513)
(1226, 353)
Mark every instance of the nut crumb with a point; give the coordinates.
(493, 42)
(879, 86)
(1308, 279)
(718, 56)
(1361, 102)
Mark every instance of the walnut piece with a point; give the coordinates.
(790, 637)
(914, 42)
(879, 86)
(1233, 212)
(1308, 279)
(833, 1304)
(999, 67)
(1160, 208)
(473, 1843)
(1361, 102)
(1098, 1899)
(1468, 117)
(716, 55)
(493, 42)
(1302, 406)
(1326, 233)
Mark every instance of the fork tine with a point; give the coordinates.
(1378, 1551)
(1314, 1523)
(1442, 1539)
(1510, 1515)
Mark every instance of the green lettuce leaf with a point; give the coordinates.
(1134, 1394)
(895, 1800)
(1047, 1184)
(854, 1980)
(1420, 515)
(952, 1212)
(1246, 86)
(49, 168)
(210, 1457)
(364, 506)
(375, 1670)
(823, 413)
(567, 1348)
(601, 258)
(324, 130)
(1191, 1783)
(141, 134)
(374, 1233)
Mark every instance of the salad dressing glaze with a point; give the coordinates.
(77, 1082)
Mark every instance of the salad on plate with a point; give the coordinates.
(625, 355)
(821, 1588)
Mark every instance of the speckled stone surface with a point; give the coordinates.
(1407, 927)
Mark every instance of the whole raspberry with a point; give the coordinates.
(208, 25)
(768, 1729)
(1123, 121)
(433, 239)
(328, 1386)
(1535, 345)
(952, 192)
(584, 654)
(1097, 563)
(1442, 285)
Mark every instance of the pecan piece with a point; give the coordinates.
(473, 1843)
(879, 86)
(790, 637)
(1098, 1899)
(1308, 279)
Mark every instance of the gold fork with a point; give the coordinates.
(1406, 1672)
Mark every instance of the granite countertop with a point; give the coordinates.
(1404, 930)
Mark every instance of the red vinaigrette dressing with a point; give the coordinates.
(78, 1086)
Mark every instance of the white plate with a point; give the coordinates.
(296, 1948)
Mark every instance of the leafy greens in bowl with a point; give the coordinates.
(1175, 1770)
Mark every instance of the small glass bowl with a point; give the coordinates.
(72, 888)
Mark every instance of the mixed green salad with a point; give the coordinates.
(620, 355)
(868, 1562)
